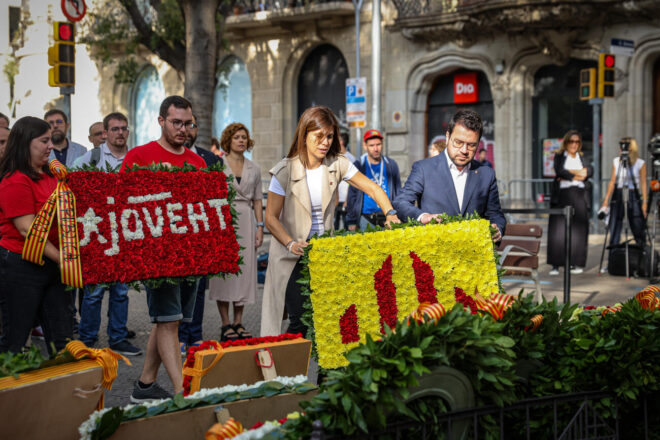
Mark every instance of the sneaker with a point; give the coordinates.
(554, 271)
(126, 348)
(184, 348)
(37, 333)
(577, 270)
(152, 392)
(603, 270)
(130, 334)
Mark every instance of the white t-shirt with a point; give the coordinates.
(623, 177)
(572, 163)
(314, 185)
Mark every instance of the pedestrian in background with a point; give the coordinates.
(242, 289)
(97, 134)
(570, 189)
(342, 193)
(64, 150)
(437, 147)
(29, 292)
(636, 206)
(301, 203)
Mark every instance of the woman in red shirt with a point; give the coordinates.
(29, 292)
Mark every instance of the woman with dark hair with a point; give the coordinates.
(302, 197)
(29, 292)
(570, 189)
(242, 289)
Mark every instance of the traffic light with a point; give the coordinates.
(62, 55)
(606, 62)
(587, 84)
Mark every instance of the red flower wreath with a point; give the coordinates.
(215, 345)
(467, 301)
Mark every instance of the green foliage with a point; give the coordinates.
(372, 389)
(11, 364)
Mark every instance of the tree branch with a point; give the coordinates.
(174, 56)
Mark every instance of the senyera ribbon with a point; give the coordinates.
(63, 202)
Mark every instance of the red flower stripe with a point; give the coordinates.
(467, 301)
(215, 345)
(424, 278)
(386, 295)
(348, 325)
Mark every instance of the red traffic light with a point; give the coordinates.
(64, 31)
(609, 61)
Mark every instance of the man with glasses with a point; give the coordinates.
(97, 134)
(453, 182)
(64, 149)
(108, 156)
(168, 304)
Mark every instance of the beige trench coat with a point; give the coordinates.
(296, 217)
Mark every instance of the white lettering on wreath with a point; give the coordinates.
(196, 213)
(129, 235)
(218, 204)
(157, 229)
(194, 218)
(174, 218)
(150, 197)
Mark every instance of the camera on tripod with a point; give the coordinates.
(624, 146)
(654, 146)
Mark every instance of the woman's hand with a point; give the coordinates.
(297, 247)
(391, 219)
(644, 208)
(259, 238)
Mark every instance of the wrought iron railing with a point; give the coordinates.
(576, 416)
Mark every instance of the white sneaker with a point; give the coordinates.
(603, 270)
(554, 272)
(577, 270)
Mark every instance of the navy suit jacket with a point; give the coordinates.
(209, 157)
(430, 185)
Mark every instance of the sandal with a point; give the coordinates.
(227, 333)
(242, 333)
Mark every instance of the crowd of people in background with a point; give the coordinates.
(318, 187)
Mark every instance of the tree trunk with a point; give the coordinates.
(201, 59)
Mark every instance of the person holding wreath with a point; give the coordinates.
(29, 292)
(302, 197)
(242, 289)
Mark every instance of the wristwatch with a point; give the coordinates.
(260, 224)
(390, 212)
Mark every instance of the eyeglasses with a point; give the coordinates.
(118, 129)
(177, 123)
(460, 144)
(573, 142)
(56, 122)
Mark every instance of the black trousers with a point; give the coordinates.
(577, 198)
(293, 301)
(635, 217)
(31, 293)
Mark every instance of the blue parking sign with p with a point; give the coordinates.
(351, 91)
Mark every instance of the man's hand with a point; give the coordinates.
(391, 219)
(352, 227)
(497, 236)
(426, 218)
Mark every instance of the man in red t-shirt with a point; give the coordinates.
(168, 304)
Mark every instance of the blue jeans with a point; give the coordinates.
(90, 313)
(191, 332)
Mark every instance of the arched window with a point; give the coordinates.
(322, 81)
(148, 94)
(232, 100)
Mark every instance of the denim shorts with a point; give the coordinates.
(172, 302)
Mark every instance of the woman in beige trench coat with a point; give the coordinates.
(301, 203)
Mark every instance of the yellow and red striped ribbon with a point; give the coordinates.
(496, 304)
(432, 312)
(536, 322)
(610, 309)
(63, 201)
(647, 298)
(221, 431)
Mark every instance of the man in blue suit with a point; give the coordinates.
(452, 182)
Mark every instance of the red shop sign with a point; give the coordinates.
(465, 88)
(151, 224)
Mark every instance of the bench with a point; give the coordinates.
(519, 251)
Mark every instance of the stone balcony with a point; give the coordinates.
(277, 19)
(465, 21)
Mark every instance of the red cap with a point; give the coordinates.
(372, 134)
